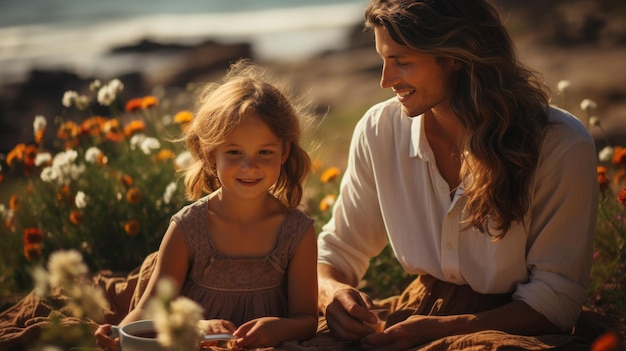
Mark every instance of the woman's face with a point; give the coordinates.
(249, 162)
(420, 81)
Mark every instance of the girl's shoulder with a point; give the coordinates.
(192, 211)
(295, 225)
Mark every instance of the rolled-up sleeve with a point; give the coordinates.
(560, 245)
(356, 231)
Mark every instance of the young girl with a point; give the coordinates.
(244, 252)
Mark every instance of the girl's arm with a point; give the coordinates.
(172, 262)
(301, 323)
(302, 287)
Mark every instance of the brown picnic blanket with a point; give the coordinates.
(23, 322)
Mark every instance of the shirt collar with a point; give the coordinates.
(419, 143)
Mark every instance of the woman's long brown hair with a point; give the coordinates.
(501, 105)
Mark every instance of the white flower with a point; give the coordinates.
(43, 158)
(169, 192)
(108, 93)
(183, 160)
(606, 154)
(92, 155)
(95, 85)
(176, 321)
(65, 266)
(149, 144)
(39, 123)
(81, 199)
(69, 97)
(180, 328)
(40, 278)
(136, 140)
(588, 105)
(87, 301)
(63, 168)
(49, 174)
(563, 85)
(82, 102)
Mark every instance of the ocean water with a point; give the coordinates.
(77, 34)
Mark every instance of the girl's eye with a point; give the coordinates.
(233, 152)
(265, 152)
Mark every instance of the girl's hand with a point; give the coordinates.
(216, 326)
(104, 341)
(260, 332)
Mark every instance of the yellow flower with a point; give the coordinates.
(327, 202)
(330, 174)
(16, 155)
(183, 117)
(164, 154)
(134, 127)
(149, 101)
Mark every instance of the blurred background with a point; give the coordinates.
(50, 46)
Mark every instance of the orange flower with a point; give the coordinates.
(127, 180)
(619, 156)
(14, 202)
(316, 165)
(67, 131)
(32, 252)
(65, 194)
(32, 236)
(133, 196)
(39, 135)
(133, 105)
(183, 117)
(330, 174)
(132, 227)
(621, 196)
(608, 341)
(1, 177)
(327, 202)
(16, 155)
(134, 127)
(30, 153)
(76, 217)
(92, 126)
(149, 101)
(603, 178)
(164, 155)
(112, 130)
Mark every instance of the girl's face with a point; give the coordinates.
(250, 160)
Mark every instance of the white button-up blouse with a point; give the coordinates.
(393, 192)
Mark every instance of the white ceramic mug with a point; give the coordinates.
(131, 338)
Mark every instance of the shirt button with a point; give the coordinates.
(449, 245)
(452, 276)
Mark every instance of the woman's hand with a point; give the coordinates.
(415, 330)
(347, 312)
(103, 339)
(216, 326)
